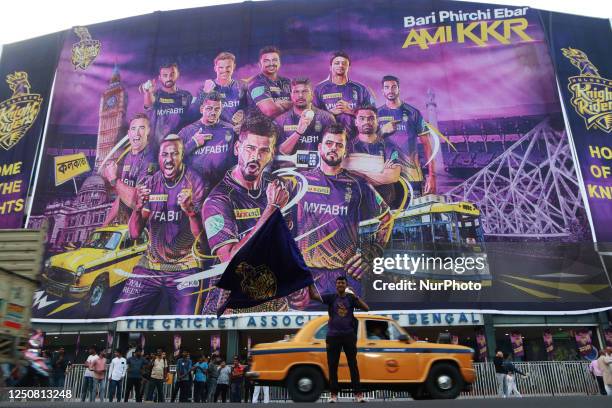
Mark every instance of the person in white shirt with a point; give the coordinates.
(116, 372)
(88, 376)
(605, 365)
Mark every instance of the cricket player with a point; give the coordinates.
(136, 164)
(302, 126)
(269, 92)
(369, 142)
(338, 94)
(408, 125)
(168, 205)
(209, 142)
(168, 105)
(244, 199)
(231, 91)
(328, 216)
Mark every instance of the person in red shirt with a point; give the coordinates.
(236, 381)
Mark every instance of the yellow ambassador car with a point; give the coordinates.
(103, 261)
(387, 357)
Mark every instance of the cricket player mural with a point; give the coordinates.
(403, 132)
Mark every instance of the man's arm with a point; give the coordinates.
(389, 175)
(226, 252)
(361, 304)
(271, 108)
(126, 193)
(149, 93)
(188, 207)
(289, 145)
(314, 293)
(277, 196)
(139, 216)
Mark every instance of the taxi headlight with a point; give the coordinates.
(80, 271)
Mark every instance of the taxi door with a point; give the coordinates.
(318, 342)
(382, 357)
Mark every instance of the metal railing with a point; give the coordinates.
(544, 378)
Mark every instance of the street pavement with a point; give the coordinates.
(527, 402)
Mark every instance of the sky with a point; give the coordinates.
(47, 17)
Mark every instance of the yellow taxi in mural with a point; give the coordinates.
(103, 261)
(388, 358)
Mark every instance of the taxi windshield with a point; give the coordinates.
(103, 240)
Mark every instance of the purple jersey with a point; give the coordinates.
(288, 123)
(170, 238)
(404, 139)
(341, 318)
(331, 211)
(216, 156)
(168, 113)
(378, 148)
(261, 88)
(326, 94)
(136, 166)
(233, 99)
(231, 211)
(388, 152)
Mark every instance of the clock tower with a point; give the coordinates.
(113, 107)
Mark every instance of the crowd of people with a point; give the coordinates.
(194, 379)
(506, 372)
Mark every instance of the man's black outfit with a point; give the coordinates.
(341, 335)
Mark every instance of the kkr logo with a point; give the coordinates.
(86, 50)
(257, 282)
(591, 94)
(18, 113)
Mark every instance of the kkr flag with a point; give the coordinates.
(267, 267)
(26, 77)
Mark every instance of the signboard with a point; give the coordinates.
(27, 69)
(467, 196)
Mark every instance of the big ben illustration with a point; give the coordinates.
(113, 107)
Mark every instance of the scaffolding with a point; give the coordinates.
(530, 190)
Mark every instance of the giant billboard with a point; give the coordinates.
(418, 148)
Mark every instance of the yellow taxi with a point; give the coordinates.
(387, 357)
(103, 261)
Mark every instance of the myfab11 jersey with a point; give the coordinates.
(169, 261)
(215, 156)
(230, 212)
(261, 88)
(233, 98)
(170, 237)
(308, 143)
(168, 113)
(405, 138)
(327, 223)
(326, 94)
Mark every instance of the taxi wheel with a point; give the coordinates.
(305, 384)
(444, 381)
(96, 293)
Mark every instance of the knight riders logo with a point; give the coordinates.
(18, 113)
(86, 50)
(591, 93)
(258, 283)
